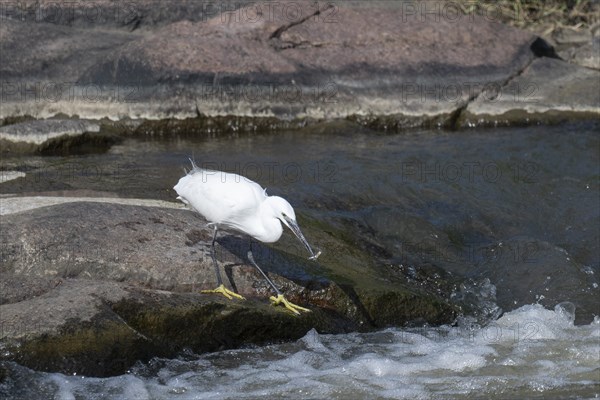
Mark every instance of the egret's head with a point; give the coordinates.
(285, 213)
(282, 209)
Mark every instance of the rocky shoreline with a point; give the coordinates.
(119, 282)
(389, 67)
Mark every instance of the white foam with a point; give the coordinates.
(529, 352)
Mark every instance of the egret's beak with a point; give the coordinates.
(293, 225)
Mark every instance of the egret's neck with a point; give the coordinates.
(270, 226)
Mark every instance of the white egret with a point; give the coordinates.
(229, 200)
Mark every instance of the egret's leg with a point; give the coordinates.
(279, 299)
(213, 254)
(220, 288)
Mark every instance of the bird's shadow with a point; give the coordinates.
(302, 271)
(269, 259)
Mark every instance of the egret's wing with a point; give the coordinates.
(220, 197)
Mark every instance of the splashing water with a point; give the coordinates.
(531, 352)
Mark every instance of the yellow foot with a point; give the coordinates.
(225, 292)
(290, 306)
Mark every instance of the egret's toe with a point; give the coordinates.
(225, 292)
(290, 306)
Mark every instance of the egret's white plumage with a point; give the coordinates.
(232, 201)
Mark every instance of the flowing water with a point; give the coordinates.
(515, 212)
(529, 353)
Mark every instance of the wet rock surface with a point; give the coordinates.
(93, 287)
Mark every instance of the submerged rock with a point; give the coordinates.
(6, 176)
(53, 136)
(93, 287)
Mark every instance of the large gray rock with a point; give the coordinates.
(126, 15)
(53, 136)
(93, 287)
(289, 61)
(548, 90)
(587, 54)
